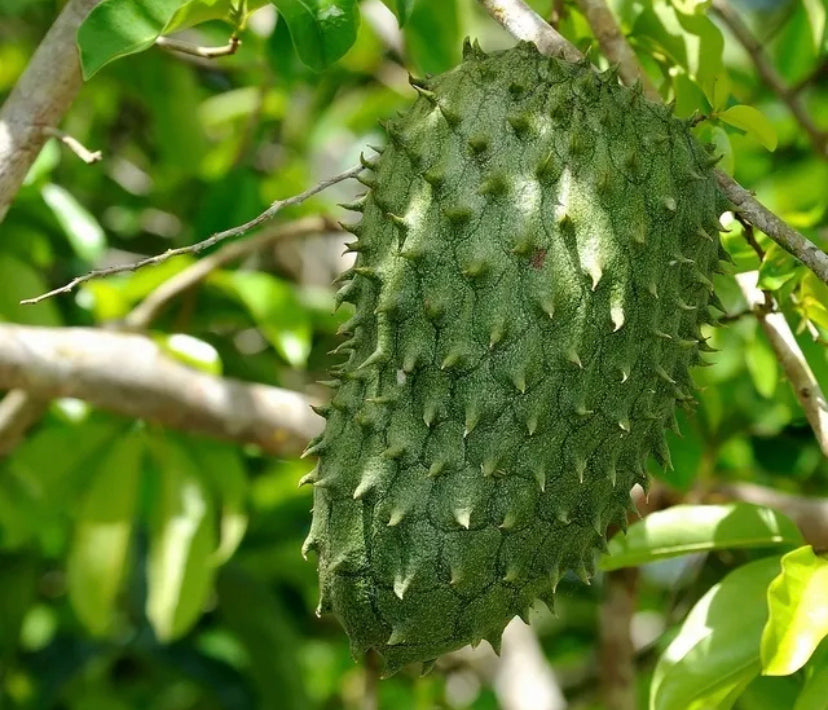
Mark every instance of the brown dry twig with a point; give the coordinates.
(198, 247)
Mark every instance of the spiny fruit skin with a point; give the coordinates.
(533, 266)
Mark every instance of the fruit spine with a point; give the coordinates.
(533, 266)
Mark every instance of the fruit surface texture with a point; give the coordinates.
(534, 264)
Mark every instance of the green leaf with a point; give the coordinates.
(762, 366)
(22, 281)
(724, 148)
(191, 351)
(716, 653)
(752, 122)
(180, 567)
(777, 268)
(263, 626)
(81, 229)
(222, 467)
(117, 28)
(194, 12)
(685, 529)
(47, 160)
(98, 556)
(321, 30)
(432, 36)
(816, 12)
(815, 690)
(18, 589)
(798, 603)
(720, 90)
(704, 44)
(401, 8)
(276, 309)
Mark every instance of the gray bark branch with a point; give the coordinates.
(39, 100)
(130, 375)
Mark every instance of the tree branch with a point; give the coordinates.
(505, 11)
(754, 212)
(615, 46)
(790, 356)
(524, 23)
(130, 375)
(40, 98)
(770, 76)
(198, 247)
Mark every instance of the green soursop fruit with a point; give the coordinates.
(533, 266)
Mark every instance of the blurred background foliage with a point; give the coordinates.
(145, 568)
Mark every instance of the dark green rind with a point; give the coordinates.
(534, 264)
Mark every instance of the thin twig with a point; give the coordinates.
(198, 247)
(145, 312)
(204, 52)
(516, 17)
(770, 76)
(73, 144)
(789, 354)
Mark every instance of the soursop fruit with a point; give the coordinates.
(533, 265)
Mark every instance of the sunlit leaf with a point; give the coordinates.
(47, 160)
(777, 268)
(798, 603)
(723, 148)
(813, 299)
(194, 12)
(321, 30)
(704, 45)
(98, 557)
(191, 351)
(716, 653)
(180, 567)
(117, 28)
(222, 467)
(752, 122)
(691, 6)
(685, 529)
(401, 8)
(816, 11)
(81, 229)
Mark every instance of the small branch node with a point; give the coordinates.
(87, 156)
